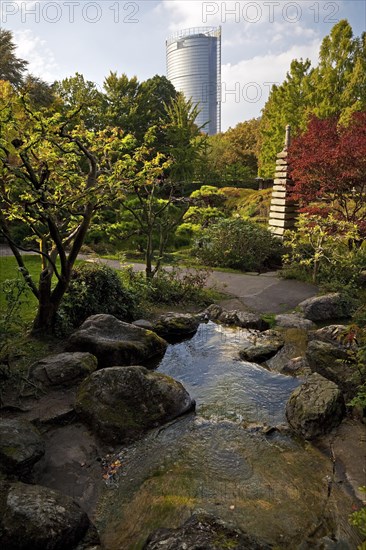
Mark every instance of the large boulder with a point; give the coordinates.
(63, 369)
(21, 445)
(315, 407)
(120, 403)
(333, 334)
(326, 307)
(334, 363)
(212, 312)
(37, 518)
(266, 346)
(297, 366)
(176, 325)
(243, 319)
(204, 531)
(114, 342)
(293, 320)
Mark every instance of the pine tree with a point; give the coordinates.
(12, 68)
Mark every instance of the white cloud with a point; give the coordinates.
(246, 84)
(39, 56)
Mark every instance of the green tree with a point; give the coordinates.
(153, 96)
(75, 92)
(286, 105)
(230, 157)
(336, 87)
(154, 193)
(331, 78)
(183, 140)
(121, 101)
(40, 93)
(136, 106)
(54, 175)
(12, 68)
(141, 195)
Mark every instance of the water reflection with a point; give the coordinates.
(224, 386)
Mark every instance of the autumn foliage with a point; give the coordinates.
(328, 166)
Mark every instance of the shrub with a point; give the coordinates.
(180, 287)
(238, 244)
(94, 288)
(11, 321)
(323, 250)
(358, 519)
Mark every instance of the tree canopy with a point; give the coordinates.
(336, 87)
(54, 175)
(12, 68)
(328, 166)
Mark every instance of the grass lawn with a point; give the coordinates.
(9, 270)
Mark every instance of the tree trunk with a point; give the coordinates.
(46, 311)
(45, 318)
(148, 256)
(48, 303)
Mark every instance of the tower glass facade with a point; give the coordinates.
(194, 68)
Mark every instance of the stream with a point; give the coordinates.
(234, 457)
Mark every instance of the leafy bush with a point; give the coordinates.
(238, 244)
(93, 289)
(320, 250)
(358, 519)
(180, 287)
(11, 321)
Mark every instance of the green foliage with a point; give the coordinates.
(14, 292)
(336, 87)
(135, 106)
(94, 289)
(238, 244)
(247, 203)
(286, 105)
(358, 519)
(11, 67)
(208, 195)
(230, 158)
(179, 287)
(182, 138)
(320, 250)
(359, 360)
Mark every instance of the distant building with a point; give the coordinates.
(194, 68)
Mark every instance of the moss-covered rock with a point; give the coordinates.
(204, 530)
(63, 369)
(121, 403)
(266, 346)
(21, 446)
(114, 342)
(175, 325)
(37, 518)
(315, 407)
(293, 320)
(334, 363)
(326, 307)
(243, 319)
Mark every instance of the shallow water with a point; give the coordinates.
(224, 386)
(219, 459)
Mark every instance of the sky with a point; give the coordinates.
(259, 39)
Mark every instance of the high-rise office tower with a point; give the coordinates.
(194, 68)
